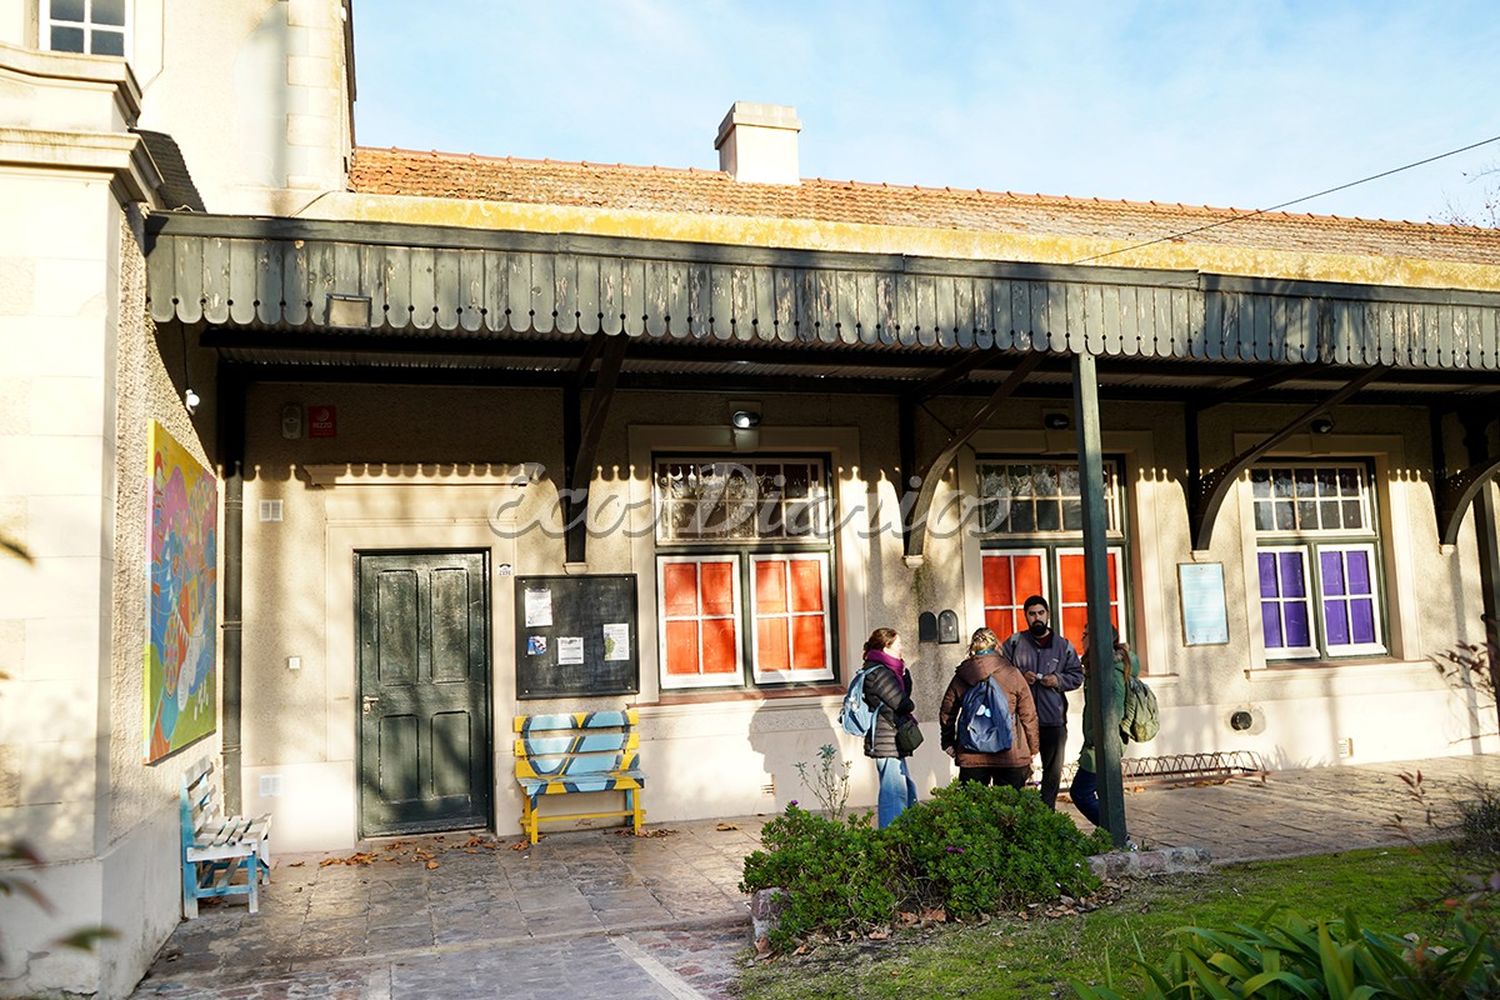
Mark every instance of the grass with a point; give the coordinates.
(1390, 889)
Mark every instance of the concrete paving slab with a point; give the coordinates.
(594, 914)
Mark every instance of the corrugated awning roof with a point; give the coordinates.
(449, 285)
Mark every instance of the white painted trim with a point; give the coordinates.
(1118, 551)
(702, 680)
(1376, 648)
(329, 476)
(791, 676)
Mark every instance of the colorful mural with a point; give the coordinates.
(182, 603)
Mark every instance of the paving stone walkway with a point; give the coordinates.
(597, 914)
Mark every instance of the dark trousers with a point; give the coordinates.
(1015, 777)
(1054, 739)
(1085, 794)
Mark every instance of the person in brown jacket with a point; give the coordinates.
(1010, 767)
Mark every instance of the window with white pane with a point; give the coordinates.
(1317, 549)
(93, 27)
(1030, 522)
(744, 571)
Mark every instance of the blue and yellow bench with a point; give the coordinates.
(578, 752)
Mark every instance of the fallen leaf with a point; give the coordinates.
(520, 845)
(762, 947)
(296, 864)
(937, 915)
(433, 866)
(879, 934)
(722, 827)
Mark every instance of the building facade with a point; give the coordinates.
(496, 437)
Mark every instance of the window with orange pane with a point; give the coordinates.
(1030, 528)
(744, 571)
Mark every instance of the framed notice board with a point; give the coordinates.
(576, 635)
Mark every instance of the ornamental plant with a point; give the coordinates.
(970, 850)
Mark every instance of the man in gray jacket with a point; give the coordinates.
(1050, 664)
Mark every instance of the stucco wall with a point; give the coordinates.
(722, 756)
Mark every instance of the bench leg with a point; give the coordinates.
(265, 860)
(189, 890)
(252, 879)
(633, 803)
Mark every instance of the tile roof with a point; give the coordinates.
(711, 192)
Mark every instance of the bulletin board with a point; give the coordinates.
(576, 636)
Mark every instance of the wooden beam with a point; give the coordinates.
(1256, 386)
(914, 524)
(1210, 490)
(952, 375)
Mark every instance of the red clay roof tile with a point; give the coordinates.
(710, 192)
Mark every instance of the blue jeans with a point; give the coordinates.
(1085, 794)
(897, 790)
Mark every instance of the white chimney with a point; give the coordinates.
(757, 143)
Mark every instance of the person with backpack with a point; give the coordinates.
(988, 718)
(1050, 664)
(893, 732)
(1085, 788)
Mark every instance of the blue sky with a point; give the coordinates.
(1245, 104)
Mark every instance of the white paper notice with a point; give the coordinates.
(617, 641)
(538, 608)
(569, 649)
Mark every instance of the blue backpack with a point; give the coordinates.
(857, 717)
(984, 720)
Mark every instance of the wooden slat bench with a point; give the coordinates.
(215, 846)
(578, 752)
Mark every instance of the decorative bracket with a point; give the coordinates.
(1456, 492)
(581, 434)
(1208, 490)
(914, 524)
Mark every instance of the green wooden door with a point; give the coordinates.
(424, 718)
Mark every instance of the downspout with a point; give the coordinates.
(232, 457)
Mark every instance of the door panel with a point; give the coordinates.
(424, 692)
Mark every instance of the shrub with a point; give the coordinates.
(835, 873)
(975, 849)
(1479, 821)
(1282, 955)
(971, 849)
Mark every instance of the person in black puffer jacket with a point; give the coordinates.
(888, 690)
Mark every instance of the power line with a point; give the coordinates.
(1294, 201)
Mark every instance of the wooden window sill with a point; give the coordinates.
(701, 696)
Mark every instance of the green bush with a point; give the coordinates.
(1281, 956)
(975, 849)
(836, 874)
(971, 849)
(1479, 821)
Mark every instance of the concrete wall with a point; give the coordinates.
(405, 455)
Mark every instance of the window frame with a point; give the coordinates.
(679, 682)
(46, 22)
(823, 674)
(1311, 543)
(743, 552)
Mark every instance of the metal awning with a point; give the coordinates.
(442, 285)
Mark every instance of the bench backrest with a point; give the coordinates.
(201, 801)
(576, 743)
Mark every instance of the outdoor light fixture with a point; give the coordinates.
(1321, 425)
(744, 419)
(190, 400)
(1057, 421)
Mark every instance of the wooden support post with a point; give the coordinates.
(1105, 711)
(581, 434)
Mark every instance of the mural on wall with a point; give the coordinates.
(182, 602)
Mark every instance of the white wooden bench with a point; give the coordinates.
(215, 847)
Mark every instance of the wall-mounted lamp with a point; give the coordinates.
(1321, 425)
(1057, 421)
(190, 400)
(744, 419)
